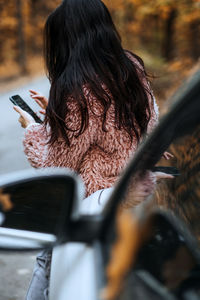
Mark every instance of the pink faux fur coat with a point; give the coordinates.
(98, 156)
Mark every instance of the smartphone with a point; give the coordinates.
(17, 100)
(168, 170)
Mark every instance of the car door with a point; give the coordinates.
(89, 242)
(84, 266)
(164, 272)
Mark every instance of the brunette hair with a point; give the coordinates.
(83, 47)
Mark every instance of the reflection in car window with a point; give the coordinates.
(182, 194)
(165, 262)
(158, 257)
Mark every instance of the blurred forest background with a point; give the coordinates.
(165, 33)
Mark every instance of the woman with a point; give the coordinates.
(100, 103)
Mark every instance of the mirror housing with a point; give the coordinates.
(13, 239)
(37, 206)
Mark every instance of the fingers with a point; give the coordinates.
(22, 122)
(25, 119)
(19, 110)
(21, 118)
(167, 155)
(40, 99)
(33, 92)
(43, 112)
(16, 108)
(39, 102)
(162, 175)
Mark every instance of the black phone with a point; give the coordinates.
(17, 100)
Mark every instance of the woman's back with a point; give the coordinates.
(83, 47)
(100, 103)
(98, 154)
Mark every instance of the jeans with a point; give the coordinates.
(39, 285)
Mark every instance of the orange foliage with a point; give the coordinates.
(141, 23)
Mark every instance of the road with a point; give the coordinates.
(11, 134)
(15, 268)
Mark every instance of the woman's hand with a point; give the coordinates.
(142, 187)
(25, 119)
(167, 155)
(40, 99)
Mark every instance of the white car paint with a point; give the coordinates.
(74, 269)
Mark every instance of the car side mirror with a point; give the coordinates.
(35, 206)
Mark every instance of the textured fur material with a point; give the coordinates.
(98, 156)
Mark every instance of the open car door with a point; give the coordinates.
(82, 264)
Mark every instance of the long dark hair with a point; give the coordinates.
(83, 47)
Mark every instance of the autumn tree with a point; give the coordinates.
(21, 36)
(169, 29)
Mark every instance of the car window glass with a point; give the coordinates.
(181, 194)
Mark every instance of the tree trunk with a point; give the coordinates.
(194, 40)
(168, 45)
(22, 60)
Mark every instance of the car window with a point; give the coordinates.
(161, 257)
(182, 193)
(179, 134)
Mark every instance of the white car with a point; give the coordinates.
(156, 257)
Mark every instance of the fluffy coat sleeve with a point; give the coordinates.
(41, 154)
(98, 156)
(35, 144)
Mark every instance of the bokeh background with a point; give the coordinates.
(165, 33)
